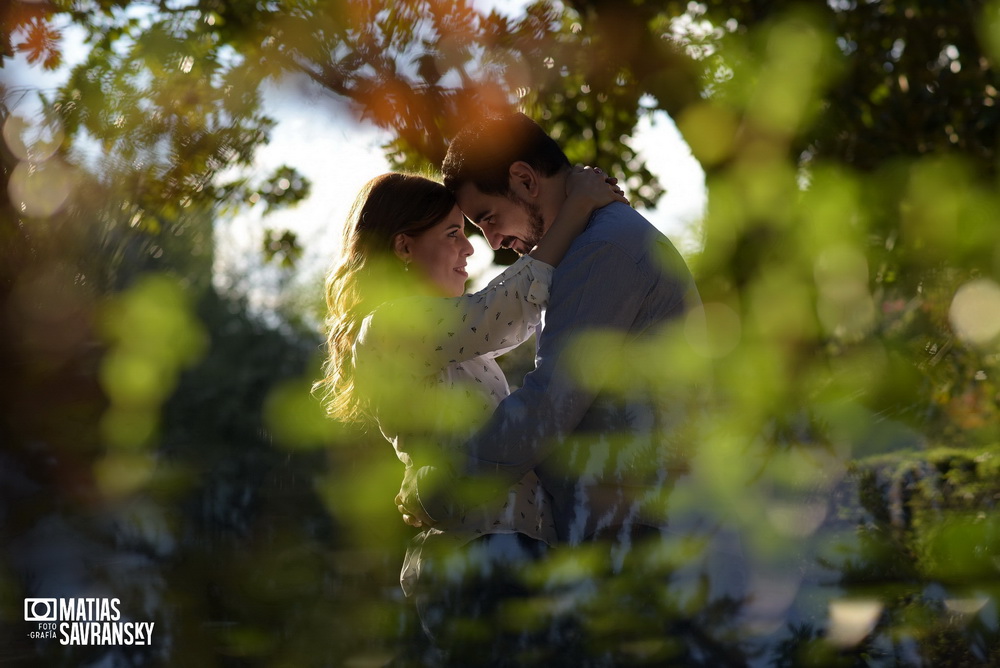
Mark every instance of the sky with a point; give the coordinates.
(318, 137)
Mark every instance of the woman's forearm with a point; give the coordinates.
(587, 189)
(570, 221)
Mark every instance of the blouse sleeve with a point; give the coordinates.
(443, 331)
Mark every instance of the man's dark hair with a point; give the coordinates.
(483, 152)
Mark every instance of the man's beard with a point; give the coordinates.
(536, 224)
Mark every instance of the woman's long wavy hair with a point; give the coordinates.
(369, 273)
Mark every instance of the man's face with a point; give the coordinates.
(506, 223)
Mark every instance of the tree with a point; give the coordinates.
(849, 265)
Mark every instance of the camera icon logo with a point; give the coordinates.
(40, 610)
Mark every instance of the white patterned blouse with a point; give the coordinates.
(429, 367)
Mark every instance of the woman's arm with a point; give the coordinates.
(587, 189)
(441, 331)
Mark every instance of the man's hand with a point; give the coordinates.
(408, 500)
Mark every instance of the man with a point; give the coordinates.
(600, 453)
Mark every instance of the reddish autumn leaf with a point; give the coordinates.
(41, 44)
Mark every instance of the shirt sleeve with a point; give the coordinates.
(599, 288)
(443, 331)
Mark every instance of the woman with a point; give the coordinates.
(410, 353)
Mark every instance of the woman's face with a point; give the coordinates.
(440, 253)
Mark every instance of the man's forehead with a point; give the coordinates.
(473, 202)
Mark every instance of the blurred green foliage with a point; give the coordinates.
(156, 432)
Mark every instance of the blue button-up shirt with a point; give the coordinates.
(599, 441)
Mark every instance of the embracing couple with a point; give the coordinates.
(496, 479)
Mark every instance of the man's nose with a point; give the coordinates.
(494, 238)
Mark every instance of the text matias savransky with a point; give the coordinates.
(85, 621)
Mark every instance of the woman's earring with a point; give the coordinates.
(406, 264)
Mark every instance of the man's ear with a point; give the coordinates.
(523, 179)
(401, 246)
